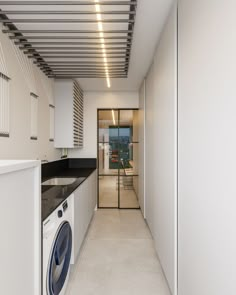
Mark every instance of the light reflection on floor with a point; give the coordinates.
(108, 191)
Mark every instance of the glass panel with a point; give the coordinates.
(108, 159)
(129, 158)
(108, 191)
(135, 125)
(129, 191)
(129, 125)
(108, 126)
(126, 126)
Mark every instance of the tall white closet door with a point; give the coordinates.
(207, 147)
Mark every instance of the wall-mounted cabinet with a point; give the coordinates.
(68, 114)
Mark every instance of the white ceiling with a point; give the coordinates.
(150, 18)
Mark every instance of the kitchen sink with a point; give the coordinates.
(60, 181)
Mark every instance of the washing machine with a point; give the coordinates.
(57, 249)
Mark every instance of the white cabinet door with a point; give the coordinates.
(93, 191)
(77, 221)
(20, 227)
(85, 200)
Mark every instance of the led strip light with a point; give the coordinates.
(113, 117)
(102, 40)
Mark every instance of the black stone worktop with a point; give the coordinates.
(54, 195)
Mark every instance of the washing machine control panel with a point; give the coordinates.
(65, 206)
(59, 213)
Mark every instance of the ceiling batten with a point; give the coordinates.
(49, 33)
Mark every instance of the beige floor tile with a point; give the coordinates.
(98, 255)
(134, 231)
(118, 258)
(105, 225)
(105, 231)
(136, 255)
(90, 283)
(118, 224)
(138, 283)
(131, 216)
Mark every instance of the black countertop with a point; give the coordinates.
(54, 195)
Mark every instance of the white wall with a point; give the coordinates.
(141, 150)
(26, 78)
(161, 150)
(92, 102)
(207, 147)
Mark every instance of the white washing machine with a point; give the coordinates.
(57, 249)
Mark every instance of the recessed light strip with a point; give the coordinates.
(102, 40)
(113, 117)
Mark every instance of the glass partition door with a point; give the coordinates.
(118, 159)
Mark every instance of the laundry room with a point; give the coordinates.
(117, 147)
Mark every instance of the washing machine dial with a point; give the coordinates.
(59, 213)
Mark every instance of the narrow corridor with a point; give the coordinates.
(118, 258)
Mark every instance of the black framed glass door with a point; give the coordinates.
(118, 158)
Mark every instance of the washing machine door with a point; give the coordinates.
(59, 261)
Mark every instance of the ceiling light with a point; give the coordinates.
(113, 117)
(108, 82)
(102, 40)
(97, 7)
(100, 26)
(99, 17)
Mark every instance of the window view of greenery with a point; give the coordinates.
(120, 150)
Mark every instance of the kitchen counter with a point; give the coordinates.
(54, 195)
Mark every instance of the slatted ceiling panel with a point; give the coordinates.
(78, 110)
(54, 31)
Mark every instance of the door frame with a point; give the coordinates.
(118, 175)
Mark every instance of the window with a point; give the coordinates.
(34, 116)
(51, 115)
(4, 106)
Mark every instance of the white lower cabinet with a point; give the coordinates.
(20, 227)
(84, 203)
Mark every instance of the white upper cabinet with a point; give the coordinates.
(68, 114)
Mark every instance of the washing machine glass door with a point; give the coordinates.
(59, 261)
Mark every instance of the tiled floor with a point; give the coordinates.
(118, 258)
